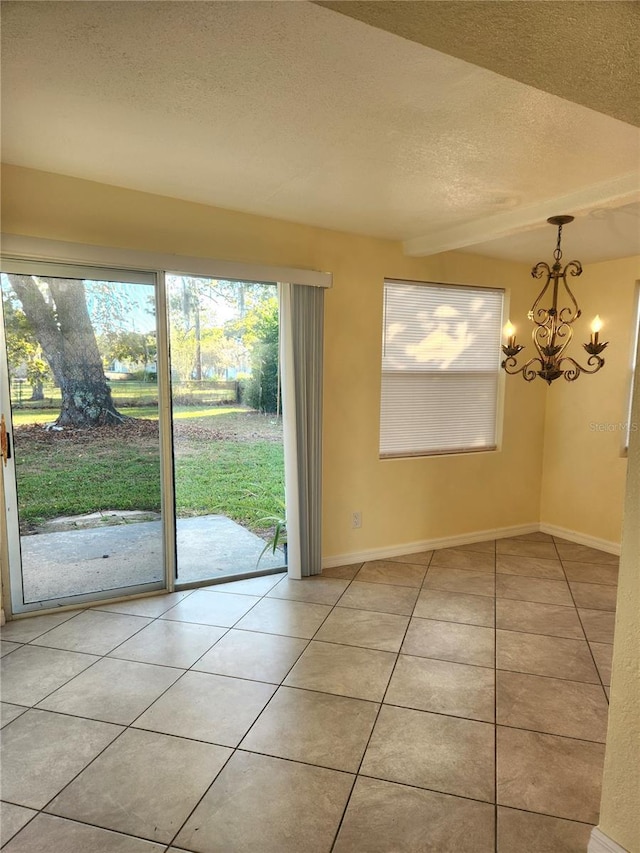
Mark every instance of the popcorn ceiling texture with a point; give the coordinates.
(292, 111)
(587, 52)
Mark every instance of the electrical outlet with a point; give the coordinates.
(356, 520)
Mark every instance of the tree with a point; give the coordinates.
(196, 306)
(220, 353)
(134, 347)
(56, 310)
(261, 334)
(37, 374)
(23, 350)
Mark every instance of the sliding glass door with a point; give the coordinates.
(82, 361)
(100, 429)
(227, 428)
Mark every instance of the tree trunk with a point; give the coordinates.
(37, 391)
(62, 326)
(198, 365)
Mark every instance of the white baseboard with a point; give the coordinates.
(428, 545)
(469, 539)
(581, 538)
(601, 843)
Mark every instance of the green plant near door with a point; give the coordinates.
(278, 537)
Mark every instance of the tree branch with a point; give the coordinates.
(40, 316)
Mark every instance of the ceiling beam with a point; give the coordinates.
(612, 193)
(586, 51)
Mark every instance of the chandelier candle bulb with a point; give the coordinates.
(510, 332)
(596, 325)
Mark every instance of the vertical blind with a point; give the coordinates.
(440, 368)
(301, 325)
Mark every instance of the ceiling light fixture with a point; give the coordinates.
(553, 326)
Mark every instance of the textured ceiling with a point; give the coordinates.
(293, 111)
(587, 51)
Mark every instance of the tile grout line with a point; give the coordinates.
(130, 726)
(237, 747)
(306, 764)
(591, 583)
(98, 657)
(586, 639)
(82, 823)
(226, 630)
(375, 722)
(319, 692)
(106, 655)
(278, 686)
(189, 592)
(355, 775)
(124, 727)
(332, 608)
(37, 637)
(32, 818)
(235, 627)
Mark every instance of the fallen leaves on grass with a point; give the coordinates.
(131, 428)
(252, 427)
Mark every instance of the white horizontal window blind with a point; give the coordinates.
(440, 368)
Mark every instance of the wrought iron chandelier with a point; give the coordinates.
(553, 327)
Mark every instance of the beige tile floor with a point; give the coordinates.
(451, 702)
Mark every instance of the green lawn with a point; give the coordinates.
(244, 481)
(64, 478)
(228, 460)
(45, 416)
(202, 415)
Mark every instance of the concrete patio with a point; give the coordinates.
(95, 559)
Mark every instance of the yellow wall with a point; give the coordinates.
(401, 501)
(620, 808)
(584, 469)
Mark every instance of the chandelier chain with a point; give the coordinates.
(558, 251)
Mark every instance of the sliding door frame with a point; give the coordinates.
(12, 582)
(35, 249)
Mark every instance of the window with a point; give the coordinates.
(440, 368)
